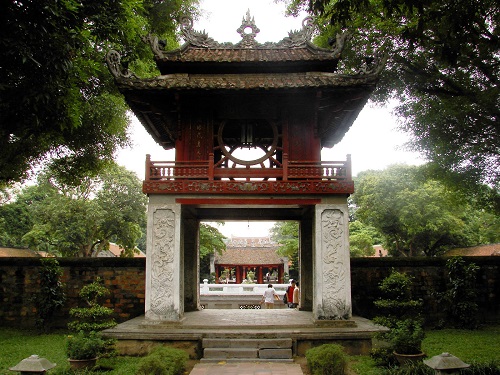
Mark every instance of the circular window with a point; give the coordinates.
(248, 142)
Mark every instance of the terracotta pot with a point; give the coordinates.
(78, 364)
(404, 359)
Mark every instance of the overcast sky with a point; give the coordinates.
(372, 141)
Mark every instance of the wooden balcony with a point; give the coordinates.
(289, 178)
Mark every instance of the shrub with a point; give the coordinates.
(461, 295)
(327, 359)
(51, 295)
(163, 360)
(94, 317)
(85, 346)
(401, 314)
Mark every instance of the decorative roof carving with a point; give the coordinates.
(248, 31)
(113, 59)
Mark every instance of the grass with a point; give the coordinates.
(19, 344)
(479, 346)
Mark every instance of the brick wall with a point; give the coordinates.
(429, 279)
(125, 279)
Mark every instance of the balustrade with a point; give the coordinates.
(289, 170)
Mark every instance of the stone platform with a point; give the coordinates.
(138, 335)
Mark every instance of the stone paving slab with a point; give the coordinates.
(246, 368)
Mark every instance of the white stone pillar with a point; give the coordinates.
(332, 274)
(164, 295)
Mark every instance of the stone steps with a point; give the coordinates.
(228, 349)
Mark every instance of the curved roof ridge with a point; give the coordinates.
(248, 30)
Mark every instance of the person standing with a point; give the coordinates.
(289, 293)
(296, 296)
(269, 296)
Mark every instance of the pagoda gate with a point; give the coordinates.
(248, 122)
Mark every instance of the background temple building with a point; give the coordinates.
(257, 255)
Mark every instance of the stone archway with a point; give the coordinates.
(172, 286)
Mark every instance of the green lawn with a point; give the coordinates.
(478, 346)
(481, 346)
(19, 344)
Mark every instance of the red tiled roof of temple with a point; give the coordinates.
(246, 256)
(250, 251)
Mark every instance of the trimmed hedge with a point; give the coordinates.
(163, 360)
(327, 359)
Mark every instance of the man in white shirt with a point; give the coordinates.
(269, 296)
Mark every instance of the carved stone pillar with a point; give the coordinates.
(164, 268)
(332, 276)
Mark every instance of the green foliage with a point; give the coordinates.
(396, 286)
(85, 346)
(163, 361)
(460, 296)
(94, 317)
(50, 296)
(327, 359)
(286, 234)
(401, 314)
(411, 368)
(57, 99)
(211, 241)
(82, 220)
(362, 238)
(406, 336)
(415, 214)
(443, 68)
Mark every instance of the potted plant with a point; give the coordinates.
(406, 339)
(400, 313)
(83, 349)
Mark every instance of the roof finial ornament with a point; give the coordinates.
(113, 60)
(248, 31)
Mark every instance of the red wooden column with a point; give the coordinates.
(259, 275)
(238, 274)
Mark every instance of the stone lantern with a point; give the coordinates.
(33, 365)
(446, 363)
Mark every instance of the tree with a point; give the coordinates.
(211, 241)
(81, 221)
(444, 69)
(286, 234)
(362, 238)
(57, 99)
(415, 215)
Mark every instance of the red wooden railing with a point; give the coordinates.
(290, 170)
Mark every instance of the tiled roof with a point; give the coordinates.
(249, 251)
(236, 55)
(248, 81)
(17, 252)
(251, 242)
(115, 251)
(483, 250)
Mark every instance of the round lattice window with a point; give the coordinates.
(237, 135)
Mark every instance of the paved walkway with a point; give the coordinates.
(246, 368)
